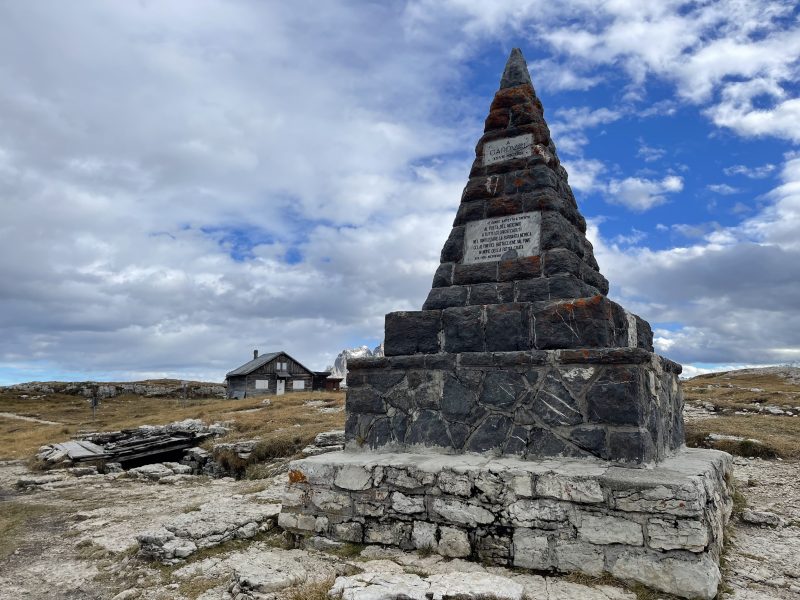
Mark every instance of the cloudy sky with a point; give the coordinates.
(184, 181)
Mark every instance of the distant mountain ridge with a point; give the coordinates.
(339, 367)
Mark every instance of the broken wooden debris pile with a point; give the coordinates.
(147, 443)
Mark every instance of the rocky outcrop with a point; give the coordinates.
(327, 441)
(166, 388)
(210, 525)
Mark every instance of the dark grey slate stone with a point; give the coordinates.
(554, 405)
(517, 443)
(428, 429)
(561, 260)
(412, 332)
(507, 327)
(543, 443)
(562, 287)
(445, 297)
(491, 434)
(630, 446)
(483, 293)
(364, 400)
(398, 363)
(383, 381)
(526, 267)
(591, 439)
(400, 398)
(501, 389)
(426, 388)
(516, 71)
(399, 425)
(356, 427)
(453, 250)
(458, 434)
(442, 361)
(470, 211)
(463, 329)
(558, 232)
(457, 399)
(617, 397)
(444, 275)
(505, 292)
(644, 334)
(533, 290)
(532, 376)
(475, 273)
(380, 433)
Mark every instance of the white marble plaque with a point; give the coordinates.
(500, 150)
(502, 238)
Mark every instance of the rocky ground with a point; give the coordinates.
(76, 537)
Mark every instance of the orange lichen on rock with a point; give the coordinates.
(297, 476)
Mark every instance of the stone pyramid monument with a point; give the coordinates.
(521, 417)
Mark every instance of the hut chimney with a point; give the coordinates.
(255, 354)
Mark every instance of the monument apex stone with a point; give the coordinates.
(516, 71)
(521, 417)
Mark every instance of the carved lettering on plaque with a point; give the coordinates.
(500, 150)
(502, 238)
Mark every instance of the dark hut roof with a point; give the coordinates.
(251, 366)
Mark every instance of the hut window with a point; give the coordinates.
(298, 384)
(262, 384)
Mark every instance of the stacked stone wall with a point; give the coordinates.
(663, 526)
(623, 405)
(594, 322)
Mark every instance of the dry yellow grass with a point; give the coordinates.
(780, 436)
(735, 391)
(287, 415)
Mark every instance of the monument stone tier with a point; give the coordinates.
(521, 417)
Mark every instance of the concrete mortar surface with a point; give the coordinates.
(81, 545)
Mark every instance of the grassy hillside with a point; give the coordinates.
(297, 416)
(755, 404)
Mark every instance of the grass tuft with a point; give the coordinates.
(316, 590)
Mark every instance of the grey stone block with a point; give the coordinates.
(483, 293)
(485, 272)
(554, 405)
(457, 399)
(501, 389)
(617, 397)
(445, 297)
(412, 332)
(463, 329)
(519, 268)
(453, 250)
(444, 275)
(428, 429)
(491, 434)
(364, 400)
(507, 327)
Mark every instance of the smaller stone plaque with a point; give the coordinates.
(513, 236)
(500, 150)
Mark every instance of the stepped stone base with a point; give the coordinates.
(620, 404)
(661, 526)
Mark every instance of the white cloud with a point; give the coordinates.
(639, 194)
(649, 153)
(732, 296)
(569, 125)
(750, 172)
(723, 188)
(584, 174)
